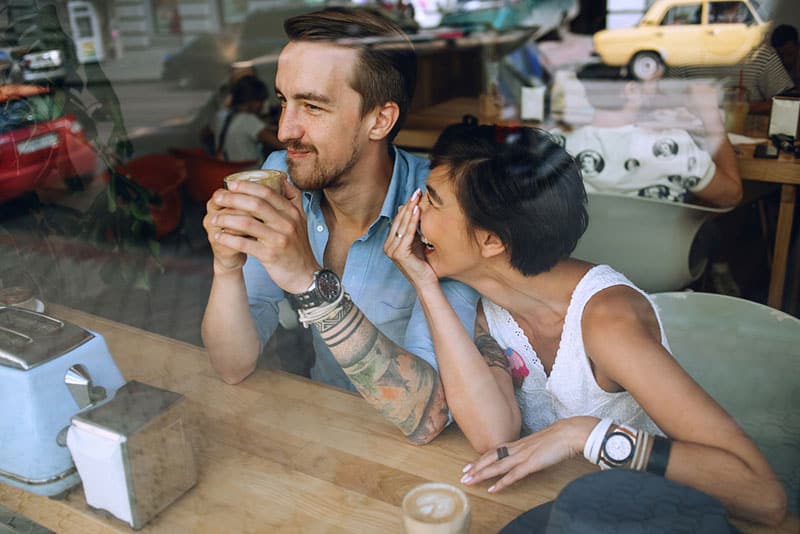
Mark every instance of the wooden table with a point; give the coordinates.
(282, 453)
(424, 126)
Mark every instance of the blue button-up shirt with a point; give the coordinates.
(374, 283)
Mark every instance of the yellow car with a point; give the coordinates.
(683, 32)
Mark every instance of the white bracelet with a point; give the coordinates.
(591, 450)
(318, 313)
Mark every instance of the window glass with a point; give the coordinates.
(729, 13)
(688, 14)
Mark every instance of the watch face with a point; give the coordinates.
(328, 285)
(618, 447)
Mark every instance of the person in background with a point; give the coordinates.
(319, 243)
(785, 42)
(585, 365)
(762, 76)
(636, 155)
(239, 132)
(632, 155)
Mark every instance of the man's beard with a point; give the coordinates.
(319, 176)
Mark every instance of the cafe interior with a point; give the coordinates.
(113, 418)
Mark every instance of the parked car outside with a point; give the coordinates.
(40, 148)
(683, 32)
(202, 63)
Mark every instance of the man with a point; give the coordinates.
(342, 104)
(785, 42)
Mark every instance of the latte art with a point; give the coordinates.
(436, 506)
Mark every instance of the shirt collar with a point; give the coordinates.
(398, 191)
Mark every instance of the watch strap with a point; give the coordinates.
(591, 450)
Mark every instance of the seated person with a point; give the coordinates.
(586, 364)
(762, 76)
(784, 41)
(319, 243)
(239, 132)
(618, 155)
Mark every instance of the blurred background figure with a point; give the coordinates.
(240, 134)
(784, 41)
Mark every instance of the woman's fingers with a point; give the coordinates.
(403, 228)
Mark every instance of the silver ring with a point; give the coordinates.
(398, 235)
(502, 452)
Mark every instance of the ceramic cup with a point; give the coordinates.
(269, 177)
(436, 508)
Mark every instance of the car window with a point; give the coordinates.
(729, 13)
(686, 14)
(23, 112)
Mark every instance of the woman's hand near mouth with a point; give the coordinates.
(404, 247)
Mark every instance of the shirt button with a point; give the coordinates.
(320, 228)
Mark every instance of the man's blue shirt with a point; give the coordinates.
(374, 283)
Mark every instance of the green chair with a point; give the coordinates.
(653, 242)
(747, 357)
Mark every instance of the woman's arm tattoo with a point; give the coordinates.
(490, 349)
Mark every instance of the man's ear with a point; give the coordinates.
(489, 243)
(384, 119)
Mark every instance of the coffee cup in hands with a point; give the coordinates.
(436, 508)
(268, 177)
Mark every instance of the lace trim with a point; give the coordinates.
(528, 354)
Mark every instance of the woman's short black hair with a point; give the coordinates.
(519, 184)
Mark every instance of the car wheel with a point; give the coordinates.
(647, 66)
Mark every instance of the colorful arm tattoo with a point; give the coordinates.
(405, 389)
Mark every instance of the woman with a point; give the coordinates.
(502, 211)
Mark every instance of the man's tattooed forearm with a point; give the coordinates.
(403, 388)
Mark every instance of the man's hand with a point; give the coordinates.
(269, 226)
(226, 259)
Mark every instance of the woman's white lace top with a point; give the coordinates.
(571, 389)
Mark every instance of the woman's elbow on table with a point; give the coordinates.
(773, 509)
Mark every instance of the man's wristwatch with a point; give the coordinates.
(326, 288)
(618, 448)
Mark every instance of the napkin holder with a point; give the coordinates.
(784, 118)
(133, 454)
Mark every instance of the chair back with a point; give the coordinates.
(162, 174)
(653, 242)
(747, 357)
(205, 173)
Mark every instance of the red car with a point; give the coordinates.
(39, 147)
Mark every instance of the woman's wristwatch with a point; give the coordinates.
(618, 448)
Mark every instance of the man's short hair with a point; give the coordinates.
(519, 184)
(387, 66)
(783, 34)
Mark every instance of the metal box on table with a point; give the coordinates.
(133, 453)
